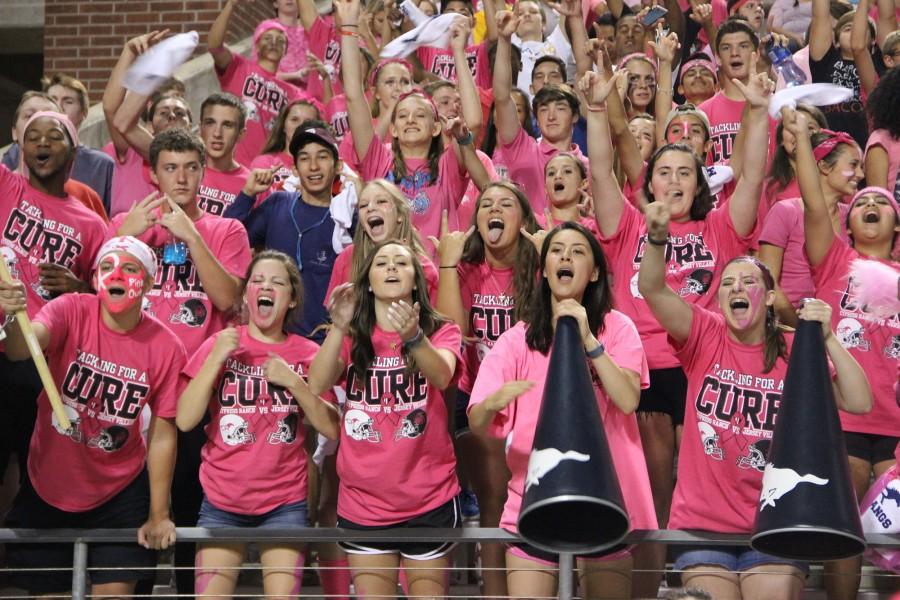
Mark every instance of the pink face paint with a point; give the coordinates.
(755, 292)
(848, 174)
(259, 315)
(675, 137)
(130, 284)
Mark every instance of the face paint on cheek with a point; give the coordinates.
(756, 293)
(674, 136)
(848, 174)
(131, 284)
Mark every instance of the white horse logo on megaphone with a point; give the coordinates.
(778, 482)
(543, 461)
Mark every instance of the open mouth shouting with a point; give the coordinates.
(265, 304)
(375, 223)
(565, 274)
(495, 230)
(740, 308)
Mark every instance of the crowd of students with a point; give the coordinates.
(344, 274)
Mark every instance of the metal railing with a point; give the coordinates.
(81, 538)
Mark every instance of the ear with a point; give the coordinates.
(707, 146)
(153, 176)
(770, 298)
(393, 130)
(680, 90)
(823, 167)
(436, 127)
(595, 274)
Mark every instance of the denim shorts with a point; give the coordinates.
(736, 559)
(294, 514)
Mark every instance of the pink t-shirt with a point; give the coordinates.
(38, 228)
(263, 95)
(874, 342)
(489, 300)
(891, 145)
(696, 255)
(255, 436)
(105, 378)
(426, 200)
(724, 122)
(131, 180)
(340, 273)
(784, 228)
(728, 422)
(527, 159)
(325, 43)
(773, 192)
(336, 114)
(588, 223)
(511, 360)
(219, 189)
(178, 298)
(439, 61)
(294, 57)
(395, 458)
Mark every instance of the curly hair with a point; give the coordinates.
(882, 105)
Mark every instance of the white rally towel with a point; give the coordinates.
(435, 33)
(817, 94)
(155, 66)
(343, 207)
(413, 13)
(717, 176)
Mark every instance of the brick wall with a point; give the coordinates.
(85, 37)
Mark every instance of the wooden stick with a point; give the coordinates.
(37, 354)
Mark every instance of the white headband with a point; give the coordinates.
(132, 246)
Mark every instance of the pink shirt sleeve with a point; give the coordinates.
(56, 316)
(498, 367)
(340, 273)
(778, 225)
(234, 253)
(705, 326)
(164, 402)
(624, 346)
(377, 161)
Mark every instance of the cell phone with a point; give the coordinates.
(653, 15)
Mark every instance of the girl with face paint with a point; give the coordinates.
(99, 472)
(252, 381)
(507, 393)
(719, 472)
(394, 355)
(781, 242)
(873, 224)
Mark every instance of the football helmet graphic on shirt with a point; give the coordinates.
(235, 430)
(697, 283)
(192, 313)
(756, 456)
(710, 441)
(360, 426)
(73, 432)
(413, 425)
(851, 334)
(892, 348)
(286, 432)
(110, 439)
(12, 263)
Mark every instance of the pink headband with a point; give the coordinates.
(64, 121)
(382, 64)
(736, 6)
(874, 189)
(636, 56)
(266, 26)
(699, 62)
(828, 146)
(422, 95)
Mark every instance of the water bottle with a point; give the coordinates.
(784, 65)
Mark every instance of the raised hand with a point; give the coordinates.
(667, 47)
(341, 306)
(348, 11)
(759, 88)
(142, 216)
(459, 34)
(795, 121)
(507, 23)
(57, 279)
(177, 222)
(259, 181)
(227, 341)
(450, 247)
(455, 127)
(279, 373)
(12, 296)
(140, 44)
(596, 90)
(812, 309)
(404, 319)
(508, 392)
(537, 238)
(566, 8)
(701, 12)
(656, 215)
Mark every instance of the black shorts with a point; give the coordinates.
(461, 418)
(445, 516)
(21, 386)
(123, 561)
(870, 447)
(666, 394)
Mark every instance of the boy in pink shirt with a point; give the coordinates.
(222, 120)
(255, 83)
(110, 360)
(325, 44)
(507, 393)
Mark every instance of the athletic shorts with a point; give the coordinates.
(870, 447)
(461, 419)
(445, 516)
(107, 563)
(529, 552)
(666, 394)
(735, 559)
(294, 514)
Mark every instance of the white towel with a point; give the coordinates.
(343, 209)
(817, 94)
(413, 13)
(435, 33)
(717, 176)
(155, 66)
